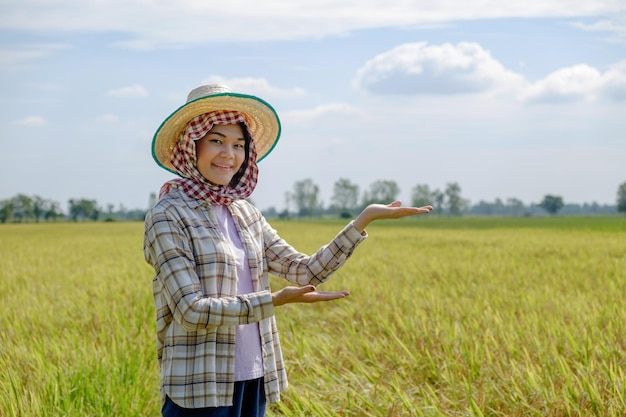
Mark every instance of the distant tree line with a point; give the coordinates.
(304, 201)
(22, 209)
(347, 200)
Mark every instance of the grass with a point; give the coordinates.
(76, 322)
(446, 317)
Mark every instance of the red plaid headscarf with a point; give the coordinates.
(184, 161)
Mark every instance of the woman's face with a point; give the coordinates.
(220, 153)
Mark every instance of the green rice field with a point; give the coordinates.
(446, 317)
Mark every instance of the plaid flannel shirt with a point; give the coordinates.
(195, 294)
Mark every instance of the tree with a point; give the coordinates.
(53, 211)
(621, 198)
(382, 191)
(421, 195)
(345, 197)
(6, 210)
(515, 206)
(305, 197)
(439, 200)
(23, 208)
(551, 203)
(39, 207)
(285, 214)
(456, 204)
(83, 209)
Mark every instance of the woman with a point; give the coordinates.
(217, 341)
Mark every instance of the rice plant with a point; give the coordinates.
(446, 317)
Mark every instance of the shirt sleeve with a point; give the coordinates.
(285, 261)
(168, 250)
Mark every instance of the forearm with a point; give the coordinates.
(286, 262)
(206, 312)
(361, 221)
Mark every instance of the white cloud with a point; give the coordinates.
(421, 69)
(152, 23)
(613, 25)
(255, 86)
(12, 56)
(579, 83)
(31, 121)
(613, 84)
(337, 111)
(132, 91)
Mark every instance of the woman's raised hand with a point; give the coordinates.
(394, 210)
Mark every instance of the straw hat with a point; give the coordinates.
(262, 120)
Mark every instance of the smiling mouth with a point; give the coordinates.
(222, 166)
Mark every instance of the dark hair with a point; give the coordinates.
(242, 169)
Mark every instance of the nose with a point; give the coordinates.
(227, 152)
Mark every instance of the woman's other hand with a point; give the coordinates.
(306, 294)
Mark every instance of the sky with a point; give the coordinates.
(508, 99)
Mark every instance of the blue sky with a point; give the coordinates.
(506, 98)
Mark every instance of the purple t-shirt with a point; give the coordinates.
(248, 355)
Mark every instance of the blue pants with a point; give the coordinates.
(248, 401)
